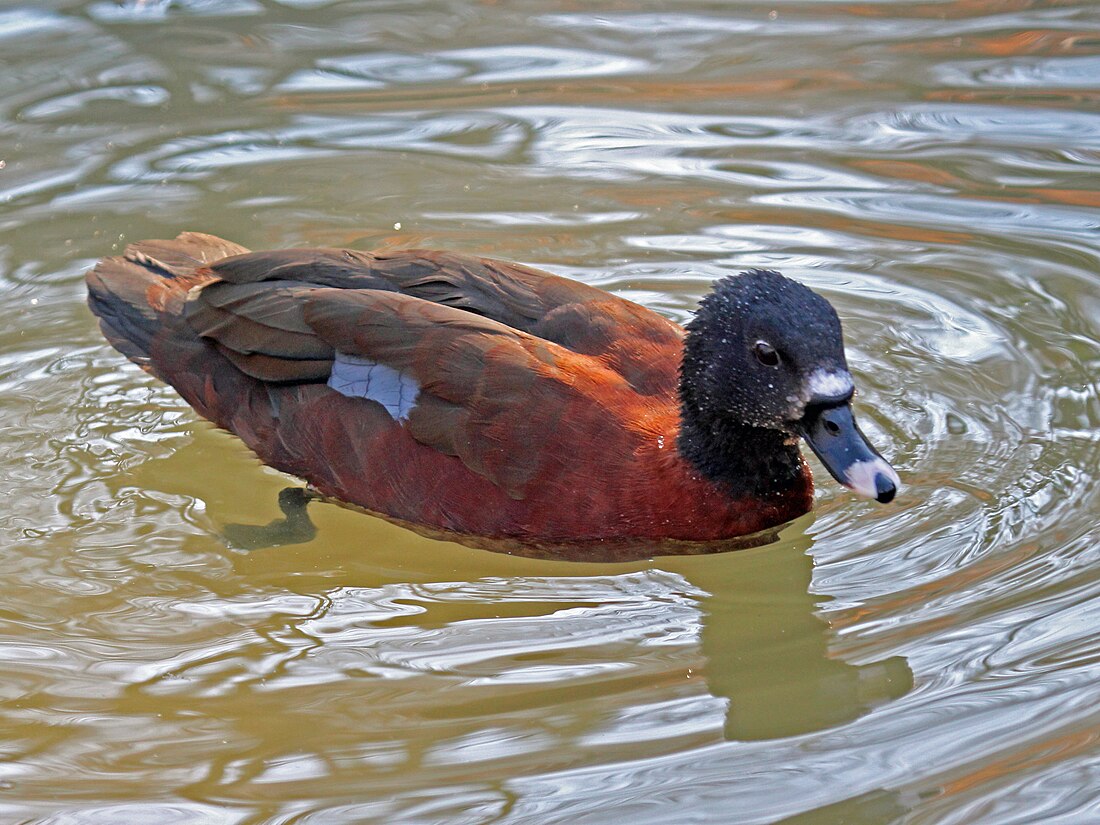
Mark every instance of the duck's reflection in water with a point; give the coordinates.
(767, 647)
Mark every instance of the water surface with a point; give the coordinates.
(931, 167)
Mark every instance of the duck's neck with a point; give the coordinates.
(746, 460)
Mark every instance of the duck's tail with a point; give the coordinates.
(132, 294)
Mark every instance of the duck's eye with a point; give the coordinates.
(765, 353)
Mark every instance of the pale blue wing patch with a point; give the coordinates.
(362, 378)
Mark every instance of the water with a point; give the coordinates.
(931, 167)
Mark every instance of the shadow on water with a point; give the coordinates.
(296, 527)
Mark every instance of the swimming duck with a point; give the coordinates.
(486, 401)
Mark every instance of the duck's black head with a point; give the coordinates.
(764, 365)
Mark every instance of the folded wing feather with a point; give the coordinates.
(462, 351)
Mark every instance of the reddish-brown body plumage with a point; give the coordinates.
(547, 413)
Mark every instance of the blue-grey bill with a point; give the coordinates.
(835, 438)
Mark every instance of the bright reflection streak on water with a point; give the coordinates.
(930, 167)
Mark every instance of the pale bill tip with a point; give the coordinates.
(862, 478)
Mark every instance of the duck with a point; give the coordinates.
(495, 404)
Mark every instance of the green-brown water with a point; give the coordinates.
(933, 168)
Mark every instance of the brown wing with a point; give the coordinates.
(635, 341)
(526, 417)
(510, 293)
(483, 384)
(497, 349)
(260, 328)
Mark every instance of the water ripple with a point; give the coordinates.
(926, 167)
(1058, 73)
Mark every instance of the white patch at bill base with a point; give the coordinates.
(829, 384)
(358, 377)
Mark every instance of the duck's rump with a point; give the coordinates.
(445, 391)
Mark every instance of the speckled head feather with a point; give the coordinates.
(721, 372)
